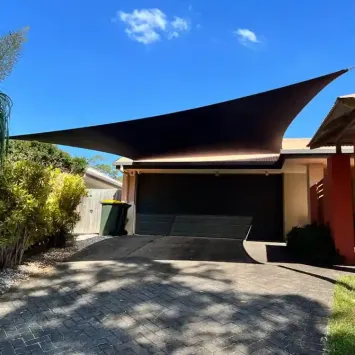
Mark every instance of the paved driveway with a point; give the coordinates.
(120, 297)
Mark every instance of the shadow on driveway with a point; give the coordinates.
(166, 248)
(142, 306)
(119, 296)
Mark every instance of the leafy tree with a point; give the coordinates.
(10, 48)
(97, 162)
(47, 155)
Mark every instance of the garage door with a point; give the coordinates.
(227, 206)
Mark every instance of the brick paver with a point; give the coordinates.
(144, 306)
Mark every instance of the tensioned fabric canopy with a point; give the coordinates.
(253, 124)
(338, 128)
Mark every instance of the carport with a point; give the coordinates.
(209, 171)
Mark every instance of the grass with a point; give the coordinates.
(341, 332)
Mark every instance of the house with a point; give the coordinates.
(273, 190)
(95, 179)
(224, 170)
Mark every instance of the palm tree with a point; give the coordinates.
(10, 47)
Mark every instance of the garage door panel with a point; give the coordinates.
(229, 196)
(211, 226)
(213, 219)
(153, 224)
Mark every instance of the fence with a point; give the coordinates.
(90, 209)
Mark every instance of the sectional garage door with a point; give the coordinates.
(201, 205)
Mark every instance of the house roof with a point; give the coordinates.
(98, 175)
(291, 147)
(249, 125)
(338, 128)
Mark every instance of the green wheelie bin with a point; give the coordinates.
(113, 217)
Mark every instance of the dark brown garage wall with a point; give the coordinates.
(258, 196)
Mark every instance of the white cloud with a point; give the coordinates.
(180, 24)
(144, 25)
(173, 34)
(149, 25)
(246, 36)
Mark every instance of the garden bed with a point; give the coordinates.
(38, 262)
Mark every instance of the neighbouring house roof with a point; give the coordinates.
(300, 147)
(253, 124)
(338, 128)
(97, 179)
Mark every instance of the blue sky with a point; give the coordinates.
(96, 62)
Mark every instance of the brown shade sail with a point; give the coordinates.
(254, 124)
(338, 128)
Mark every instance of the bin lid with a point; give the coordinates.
(111, 202)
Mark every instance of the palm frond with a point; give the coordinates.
(5, 110)
(10, 49)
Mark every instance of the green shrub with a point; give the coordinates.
(24, 190)
(67, 190)
(37, 205)
(313, 244)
